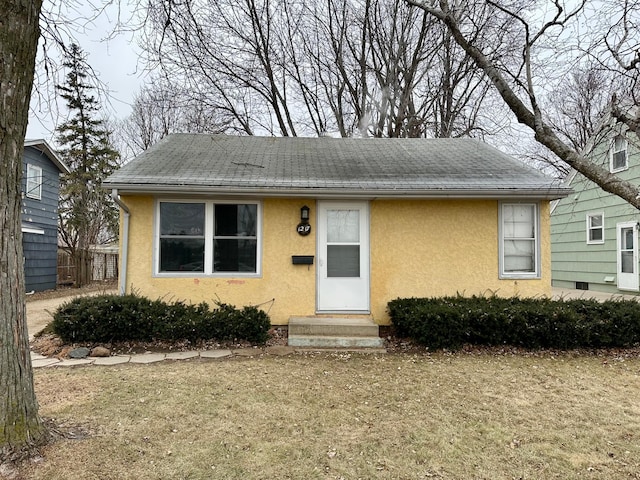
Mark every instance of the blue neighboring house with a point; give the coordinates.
(41, 170)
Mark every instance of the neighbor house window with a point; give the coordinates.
(34, 182)
(595, 228)
(519, 240)
(208, 237)
(619, 154)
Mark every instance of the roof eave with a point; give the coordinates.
(45, 148)
(550, 193)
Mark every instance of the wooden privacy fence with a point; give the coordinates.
(104, 266)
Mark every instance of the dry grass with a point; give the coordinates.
(330, 416)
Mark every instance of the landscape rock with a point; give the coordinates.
(81, 352)
(100, 352)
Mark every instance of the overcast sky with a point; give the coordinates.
(115, 62)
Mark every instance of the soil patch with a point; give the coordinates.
(50, 345)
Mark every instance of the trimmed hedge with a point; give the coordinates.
(113, 318)
(450, 322)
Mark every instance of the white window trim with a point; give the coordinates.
(33, 191)
(588, 218)
(208, 239)
(34, 230)
(536, 274)
(612, 151)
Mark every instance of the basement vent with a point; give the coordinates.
(582, 286)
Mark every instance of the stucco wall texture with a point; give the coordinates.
(421, 248)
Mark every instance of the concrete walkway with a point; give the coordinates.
(40, 361)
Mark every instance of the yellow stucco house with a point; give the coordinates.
(312, 226)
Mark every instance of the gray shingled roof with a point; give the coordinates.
(323, 167)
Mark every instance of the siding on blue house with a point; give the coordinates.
(40, 219)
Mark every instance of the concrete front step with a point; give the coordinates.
(333, 326)
(327, 341)
(333, 332)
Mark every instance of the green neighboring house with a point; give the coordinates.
(594, 234)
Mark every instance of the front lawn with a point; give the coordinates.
(344, 416)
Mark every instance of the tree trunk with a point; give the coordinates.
(83, 267)
(20, 425)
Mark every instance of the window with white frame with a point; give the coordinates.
(208, 237)
(618, 154)
(519, 240)
(34, 182)
(595, 227)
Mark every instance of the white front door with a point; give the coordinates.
(627, 239)
(343, 256)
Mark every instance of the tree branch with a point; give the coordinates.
(544, 134)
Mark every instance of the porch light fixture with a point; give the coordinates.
(304, 214)
(303, 227)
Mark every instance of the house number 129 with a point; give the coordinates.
(304, 229)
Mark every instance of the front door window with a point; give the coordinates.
(343, 243)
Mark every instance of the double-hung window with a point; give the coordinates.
(208, 238)
(519, 240)
(618, 154)
(595, 228)
(34, 182)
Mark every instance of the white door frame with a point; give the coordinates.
(350, 293)
(628, 280)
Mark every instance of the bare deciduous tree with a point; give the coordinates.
(618, 50)
(368, 67)
(227, 51)
(161, 108)
(519, 84)
(576, 107)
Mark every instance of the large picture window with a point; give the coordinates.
(519, 240)
(208, 237)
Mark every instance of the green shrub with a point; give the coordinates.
(249, 323)
(113, 318)
(105, 318)
(450, 322)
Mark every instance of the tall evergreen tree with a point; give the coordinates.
(87, 213)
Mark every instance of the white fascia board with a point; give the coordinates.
(541, 194)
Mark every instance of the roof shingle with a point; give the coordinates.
(202, 163)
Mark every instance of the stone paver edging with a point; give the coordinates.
(40, 361)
